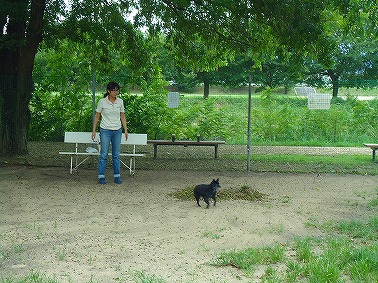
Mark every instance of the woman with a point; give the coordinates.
(112, 113)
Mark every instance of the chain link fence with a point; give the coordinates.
(278, 119)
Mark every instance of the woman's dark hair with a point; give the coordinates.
(111, 86)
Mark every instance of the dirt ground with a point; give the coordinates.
(72, 229)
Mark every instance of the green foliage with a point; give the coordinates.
(145, 113)
(62, 99)
(200, 35)
(184, 39)
(282, 120)
(53, 113)
(275, 119)
(235, 25)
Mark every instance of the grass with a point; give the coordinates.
(247, 258)
(17, 249)
(311, 260)
(33, 277)
(360, 230)
(277, 118)
(349, 253)
(301, 163)
(143, 277)
(61, 253)
(211, 235)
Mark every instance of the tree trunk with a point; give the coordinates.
(15, 115)
(204, 77)
(206, 88)
(23, 33)
(335, 82)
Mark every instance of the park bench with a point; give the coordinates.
(83, 138)
(373, 147)
(186, 143)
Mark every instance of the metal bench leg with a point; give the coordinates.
(132, 166)
(374, 154)
(216, 151)
(71, 164)
(155, 151)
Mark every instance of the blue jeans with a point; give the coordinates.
(107, 137)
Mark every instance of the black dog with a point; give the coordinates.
(207, 191)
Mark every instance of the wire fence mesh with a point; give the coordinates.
(279, 118)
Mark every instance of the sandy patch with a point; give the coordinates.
(71, 228)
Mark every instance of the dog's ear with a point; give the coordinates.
(217, 180)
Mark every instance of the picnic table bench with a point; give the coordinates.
(373, 147)
(86, 138)
(186, 143)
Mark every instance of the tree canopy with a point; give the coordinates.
(234, 26)
(200, 35)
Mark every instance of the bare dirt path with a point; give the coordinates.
(72, 229)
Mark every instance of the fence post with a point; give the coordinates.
(249, 124)
(93, 95)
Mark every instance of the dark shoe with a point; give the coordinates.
(102, 181)
(118, 180)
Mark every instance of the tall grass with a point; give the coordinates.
(276, 119)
